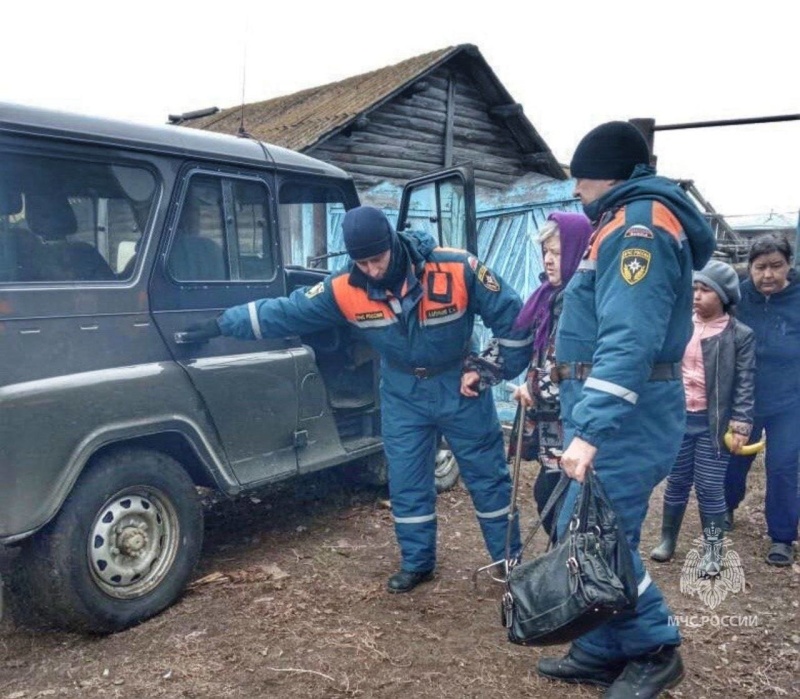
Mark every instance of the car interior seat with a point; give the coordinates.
(52, 218)
(196, 258)
(21, 252)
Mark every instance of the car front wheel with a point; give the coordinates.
(121, 549)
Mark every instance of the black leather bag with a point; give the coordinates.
(581, 582)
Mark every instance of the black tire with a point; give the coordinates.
(446, 469)
(371, 471)
(121, 549)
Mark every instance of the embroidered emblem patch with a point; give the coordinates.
(486, 278)
(639, 232)
(634, 265)
(315, 290)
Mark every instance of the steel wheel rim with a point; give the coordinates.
(133, 542)
(445, 462)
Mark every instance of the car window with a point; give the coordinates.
(438, 208)
(223, 232)
(311, 222)
(71, 220)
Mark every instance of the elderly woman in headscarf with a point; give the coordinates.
(564, 239)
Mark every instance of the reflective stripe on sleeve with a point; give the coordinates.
(492, 515)
(612, 388)
(415, 520)
(587, 264)
(503, 342)
(646, 580)
(251, 307)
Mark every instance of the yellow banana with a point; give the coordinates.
(748, 449)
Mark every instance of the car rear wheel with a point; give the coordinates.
(446, 469)
(121, 549)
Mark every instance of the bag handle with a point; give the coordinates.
(552, 501)
(585, 511)
(519, 419)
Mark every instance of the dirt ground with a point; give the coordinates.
(289, 601)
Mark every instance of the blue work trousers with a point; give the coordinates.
(630, 464)
(415, 411)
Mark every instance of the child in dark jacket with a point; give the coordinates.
(718, 368)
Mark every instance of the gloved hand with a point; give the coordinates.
(199, 332)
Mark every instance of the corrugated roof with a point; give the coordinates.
(298, 121)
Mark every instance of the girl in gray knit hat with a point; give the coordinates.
(717, 369)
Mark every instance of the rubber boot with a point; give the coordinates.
(670, 527)
(713, 533)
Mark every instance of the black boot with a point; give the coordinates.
(711, 565)
(670, 528)
(407, 580)
(647, 676)
(578, 667)
(728, 523)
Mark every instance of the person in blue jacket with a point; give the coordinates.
(415, 304)
(770, 305)
(624, 327)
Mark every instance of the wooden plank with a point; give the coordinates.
(448, 128)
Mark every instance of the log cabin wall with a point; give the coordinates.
(438, 121)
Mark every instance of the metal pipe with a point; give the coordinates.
(725, 122)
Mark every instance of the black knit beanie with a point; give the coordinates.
(609, 152)
(367, 232)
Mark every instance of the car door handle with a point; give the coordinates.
(185, 338)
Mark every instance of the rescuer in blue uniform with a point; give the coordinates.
(415, 304)
(624, 326)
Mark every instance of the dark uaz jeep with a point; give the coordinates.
(114, 237)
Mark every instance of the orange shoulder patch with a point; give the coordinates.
(666, 220)
(597, 239)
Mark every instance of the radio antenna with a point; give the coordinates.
(242, 133)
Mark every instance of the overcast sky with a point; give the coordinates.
(572, 65)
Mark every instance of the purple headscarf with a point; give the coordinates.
(574, 233)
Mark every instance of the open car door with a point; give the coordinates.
(442, 203)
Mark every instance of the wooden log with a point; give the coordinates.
(489, 161)
(412, 123)
(409, 150)
(394, 174)
(415, 161)
(433, 104)
(389, 133)
(397, 109)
